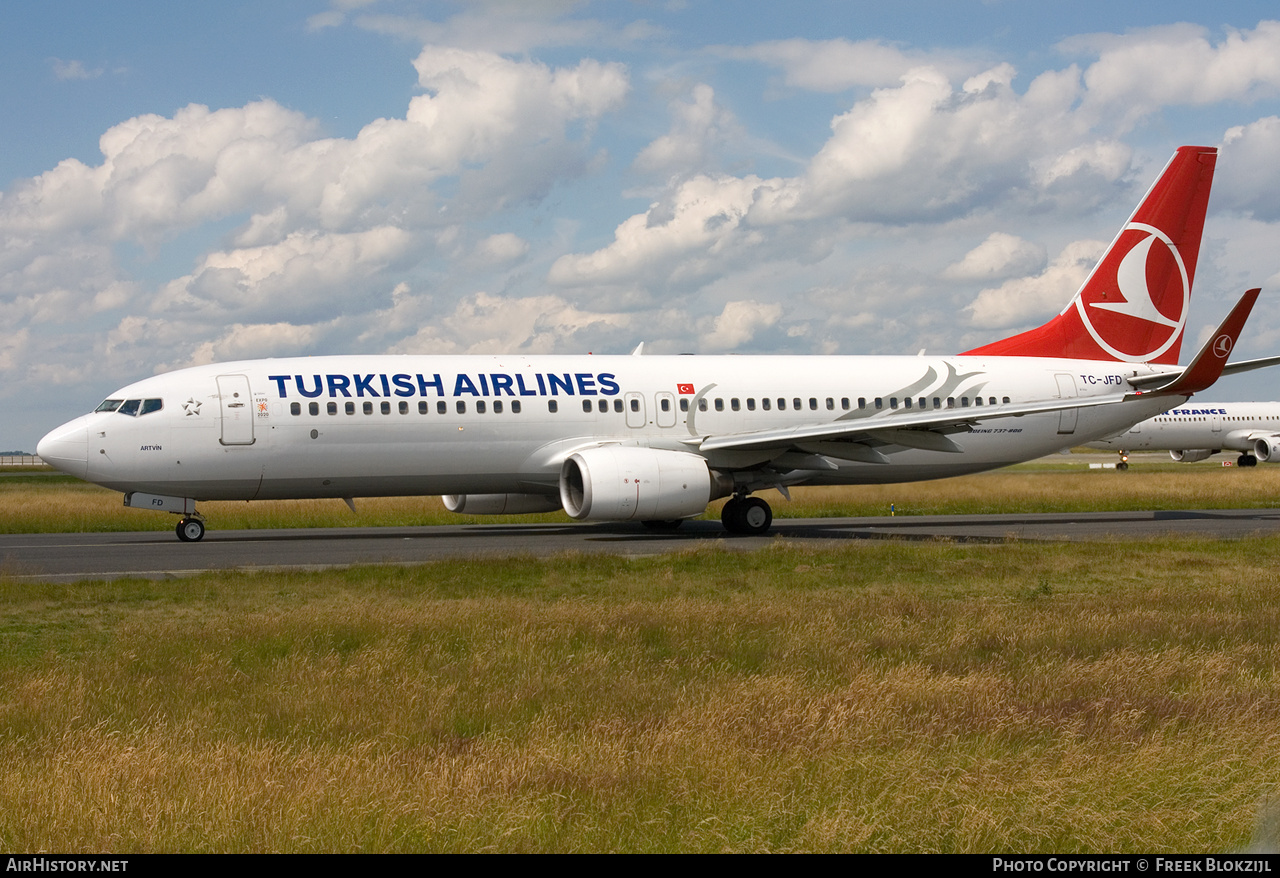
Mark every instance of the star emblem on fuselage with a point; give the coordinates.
(191, 407)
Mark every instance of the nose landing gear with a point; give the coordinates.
(190, 530)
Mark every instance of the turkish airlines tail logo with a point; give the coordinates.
(1135, 304)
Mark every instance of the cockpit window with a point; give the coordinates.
(109, 405)
(136, 407)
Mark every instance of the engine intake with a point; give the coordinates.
(623, 483)
(1267, 449)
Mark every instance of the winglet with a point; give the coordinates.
(1210, 360)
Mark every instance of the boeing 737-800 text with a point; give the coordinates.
(657, 438)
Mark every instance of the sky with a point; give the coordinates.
(191, 183)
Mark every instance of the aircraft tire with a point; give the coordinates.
(1122, 466)
(190, 530)
(749, 516)
(756, 516)
(1247, 460)
(731, 515)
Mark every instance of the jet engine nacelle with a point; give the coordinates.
(1191, 455)
(623, 483)
(500, 504)
(1267, 448)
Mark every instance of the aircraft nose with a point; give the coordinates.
(67, 448)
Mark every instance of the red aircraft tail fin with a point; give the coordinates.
(1133, 306)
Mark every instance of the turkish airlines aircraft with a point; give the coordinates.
(655, 439)
(1194, 432)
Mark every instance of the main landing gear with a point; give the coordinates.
(1246, 460)
(190, 530)
(749, 516)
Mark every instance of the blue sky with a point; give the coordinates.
(187, 183)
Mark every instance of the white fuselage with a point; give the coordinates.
(406, 425)
(1202, 425)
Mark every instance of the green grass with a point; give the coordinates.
(884, 696)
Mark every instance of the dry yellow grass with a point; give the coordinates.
(879, 697)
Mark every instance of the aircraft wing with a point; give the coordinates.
(925, 429)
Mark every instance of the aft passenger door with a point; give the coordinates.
(1067, 417)
(236, 404)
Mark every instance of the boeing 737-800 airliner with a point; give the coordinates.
(657, 438)
(1196, 431)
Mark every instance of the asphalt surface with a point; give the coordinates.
(160, 555)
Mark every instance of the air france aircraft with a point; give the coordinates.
(1195, 432)
(655, 439)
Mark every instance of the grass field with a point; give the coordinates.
(49, 502)
(880, 696)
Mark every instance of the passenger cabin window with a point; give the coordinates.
(684, 405)
(751, 404)
(734, 404)
(480, 407)
(422, 407)
(795, 404)
(461, 406)
(404, 407)
(719, 405)
(497, 406)
(442, 407)
(368, 408)
(295, 408)
(766, 404)
(515, 406)
(313, 408)
(386, 407)
(553, 406)
(586, 406)
(665, 404)
(635, 405)
(332, 408)
(617, 405)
